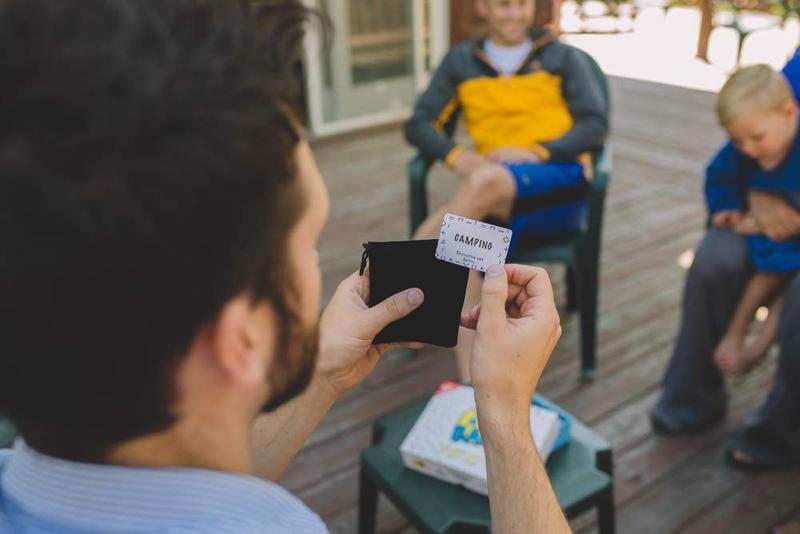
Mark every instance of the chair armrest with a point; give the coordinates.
(602, 166)
(418, 169)
(597, 199)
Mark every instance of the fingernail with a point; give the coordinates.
(414, 296)
(495, 270)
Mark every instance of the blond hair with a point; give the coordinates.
(756, 86)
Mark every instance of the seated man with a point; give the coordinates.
(533, 110)
(160, 212)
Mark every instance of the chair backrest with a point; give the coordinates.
(601, 156)
(601, 78)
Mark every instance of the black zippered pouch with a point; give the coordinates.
(398, 265)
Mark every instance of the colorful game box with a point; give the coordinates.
(445, 442)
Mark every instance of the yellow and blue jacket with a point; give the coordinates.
(552, 105)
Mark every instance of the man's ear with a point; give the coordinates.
(243, 339)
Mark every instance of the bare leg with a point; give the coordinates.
(757, 351)
(731, 356)
(488, 192)
(466, 336)
(771, 437)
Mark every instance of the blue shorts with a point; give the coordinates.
(774, 256)
(540, 185)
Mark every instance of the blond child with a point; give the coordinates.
(757, 109)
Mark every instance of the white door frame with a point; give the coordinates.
(439, 17)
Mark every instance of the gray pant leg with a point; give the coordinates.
(693, 387)
(772, 437)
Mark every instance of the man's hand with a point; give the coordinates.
(347, 328)
(513, 155)
(777, 219)
(466, 162)
(346, 357)
(517, 327)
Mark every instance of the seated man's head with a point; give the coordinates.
(509, 21)
(759, 112)
(159, 218)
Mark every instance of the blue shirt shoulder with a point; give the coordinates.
(729, 173)
(728, 178)
(42, 495)
(792, 73)
(785, 178)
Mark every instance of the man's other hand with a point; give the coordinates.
(777, 219)
(348, 326)
(517, 327)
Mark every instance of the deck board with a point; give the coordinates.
(662, 138)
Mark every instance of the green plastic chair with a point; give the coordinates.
(581, 474)
(581, 254)
(7, 433)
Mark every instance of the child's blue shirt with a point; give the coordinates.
(728, 178)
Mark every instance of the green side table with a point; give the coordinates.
(581, 475)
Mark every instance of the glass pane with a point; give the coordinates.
(380, 40)
(371, 65)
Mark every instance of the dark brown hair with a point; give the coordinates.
(146, 177)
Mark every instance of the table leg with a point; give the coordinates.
(367, 504)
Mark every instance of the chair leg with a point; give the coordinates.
(572, 290)
(588, 309)
(606, 522)
(367, 504)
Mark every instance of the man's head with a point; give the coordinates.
(757, 109)
(509, 21)
(159, 213)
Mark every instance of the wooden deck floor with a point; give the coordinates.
(662, 137)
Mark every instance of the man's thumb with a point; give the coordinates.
(393, 308)
(493, 295)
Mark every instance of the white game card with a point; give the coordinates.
(473, 244)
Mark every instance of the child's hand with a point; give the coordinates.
(748, 225)
(727, 219)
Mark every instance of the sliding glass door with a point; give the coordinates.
(381, 56)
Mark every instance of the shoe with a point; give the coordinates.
(753, 465)
(662, 428)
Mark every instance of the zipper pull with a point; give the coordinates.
(364, 257)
